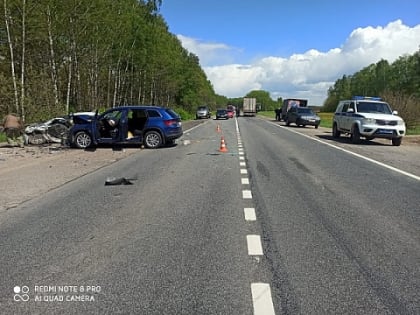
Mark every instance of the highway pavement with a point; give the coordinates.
(279, 224)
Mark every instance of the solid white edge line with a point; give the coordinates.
(353, 153)
(261, 299)
(254, 245)
(249, 214)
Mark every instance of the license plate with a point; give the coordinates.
(386, 131)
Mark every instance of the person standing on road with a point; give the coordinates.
(13, 128)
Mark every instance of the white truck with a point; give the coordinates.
(249, 106)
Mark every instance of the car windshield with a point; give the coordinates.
(373, 107)
(202, 108)
(221, 111)
(304, 110)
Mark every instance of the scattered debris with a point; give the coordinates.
(119, 181)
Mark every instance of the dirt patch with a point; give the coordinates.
(31, 171)
(411, 140)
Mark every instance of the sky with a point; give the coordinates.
(291, 48)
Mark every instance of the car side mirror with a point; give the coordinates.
(395, 112)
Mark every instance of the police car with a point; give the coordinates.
(368, 117)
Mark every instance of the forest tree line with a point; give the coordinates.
(61, 56)
(397, 83)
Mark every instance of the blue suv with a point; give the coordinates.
(151, 126)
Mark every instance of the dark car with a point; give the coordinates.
(151, 126)
(302, 116)
(222, 114)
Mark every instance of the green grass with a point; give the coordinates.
(326, 119)
(413, 131)
(269, 114)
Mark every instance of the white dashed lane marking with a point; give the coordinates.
(261, 293)
(261, 299)
(254, 245)
(246, 194)
(250, 214)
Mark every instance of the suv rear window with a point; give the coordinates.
(171, 113)
(153, 113)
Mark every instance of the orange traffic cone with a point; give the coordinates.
(223, 147)
(218, 128)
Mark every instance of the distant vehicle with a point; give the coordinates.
(222, 114)
(203, 112)
(152, 126)
(368, 117)
(230, 113)
(249, 106)
(288, 103)
(232, 108)
(302, 116)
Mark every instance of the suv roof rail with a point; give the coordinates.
(372, 98)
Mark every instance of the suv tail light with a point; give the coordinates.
(170, 122)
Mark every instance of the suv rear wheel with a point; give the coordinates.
(153, 139)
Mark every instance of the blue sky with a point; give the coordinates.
(291, 48)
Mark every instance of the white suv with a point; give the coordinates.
(368, 117)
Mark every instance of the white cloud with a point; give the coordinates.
(307, 75)
(208, 53)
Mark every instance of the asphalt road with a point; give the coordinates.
(280, 224)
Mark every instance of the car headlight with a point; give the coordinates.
(368, 121)
(401, 123)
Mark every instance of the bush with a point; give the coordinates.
(408, 107)
(185, 115)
